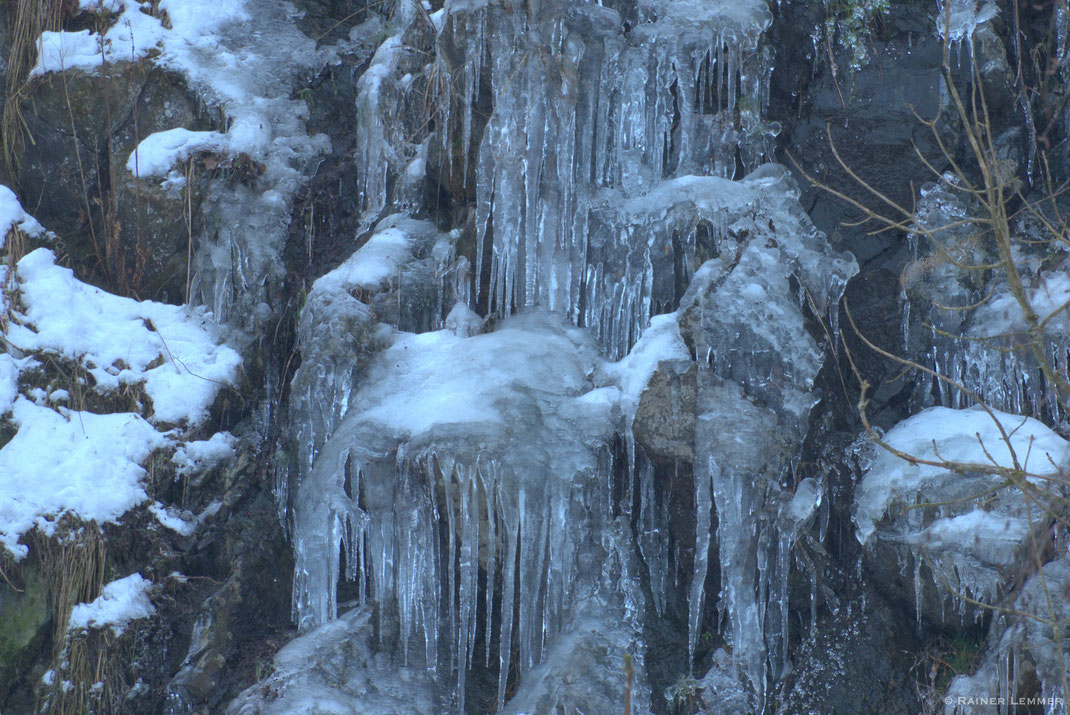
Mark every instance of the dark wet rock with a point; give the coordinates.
(244, 567)
(855, 660)
(131, 234)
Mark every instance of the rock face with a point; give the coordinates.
(502, 356)
(665, 416)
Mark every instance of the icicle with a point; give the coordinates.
(509, 586)
(917, 590)
(703, 527)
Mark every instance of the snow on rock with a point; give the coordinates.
(9, 375)
(1001, 315)
(175, 352)
(121, 601)
(940, 434)
(377, 260)
(129, 39)
(12, 216)
(173, 519)
(194, 28)
(242, 58)
(158, 152)
(969, 529)
(92, 469)
(423, 383)
(661, 341)
(202, 455)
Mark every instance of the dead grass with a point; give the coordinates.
(28, 19)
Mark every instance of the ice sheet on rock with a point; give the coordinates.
(121, 601)
(938, 434)
(174, 351)
(583, 669)
(336, 669)
(656, 240)
(745, 316)
(739, 452)
(746, 308)
(722, 692)
(94, 470)
(1000, 369)
(393, 117)
(1023, 649)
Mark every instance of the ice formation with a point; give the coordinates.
(984, 349)
(438, 469)
(957, 20)
(337, 668)
(658, 103)
(456, 428)
(489, 435)
(1028, 642)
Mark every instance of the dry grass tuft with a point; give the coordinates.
(28, 19)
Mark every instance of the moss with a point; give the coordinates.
(848, 23)
(25, 614)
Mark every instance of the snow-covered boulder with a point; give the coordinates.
(957, 509)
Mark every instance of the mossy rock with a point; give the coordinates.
(23, 632)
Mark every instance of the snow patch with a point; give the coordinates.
(158, 152)
(200, 456)
(377, 260)
(84, 464)
(174, 351)
(120, 602)
(940, 434)
(12, 216)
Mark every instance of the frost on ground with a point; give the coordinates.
(96, 463)
(121, 601)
